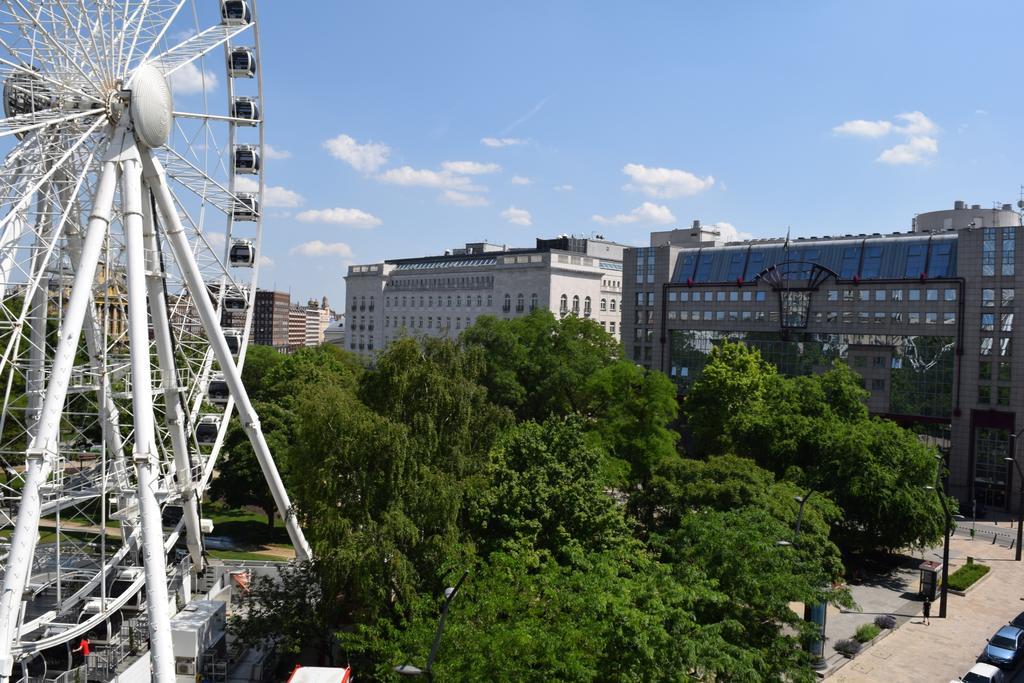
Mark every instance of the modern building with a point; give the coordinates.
(318, 317)
(443, 295)
(925, 317)
(270, 319)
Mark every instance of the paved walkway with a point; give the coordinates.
(948, 647)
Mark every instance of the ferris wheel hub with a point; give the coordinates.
(151, 107)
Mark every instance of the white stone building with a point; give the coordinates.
(443, 295)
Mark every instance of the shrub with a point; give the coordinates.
(848, 647)
(867, 632)
(884, 621)
(967, 575)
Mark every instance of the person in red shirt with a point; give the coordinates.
(83, 647)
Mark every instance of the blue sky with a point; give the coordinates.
(624, 117)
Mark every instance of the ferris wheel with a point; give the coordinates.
(131, 213)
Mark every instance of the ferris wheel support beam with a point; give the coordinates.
(37, 321)
(45, 446)
(178, 242)
(173, 414)
(145, 452)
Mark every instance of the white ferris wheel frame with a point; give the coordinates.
(95, 127)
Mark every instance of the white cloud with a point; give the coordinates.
(502, 142)
(517, 216)
(354, 218)
(469, 167)
(665, 183)
(266, 262)
(563, 188)
(645, 213)
(921, 145)
(916, 123)
(520, 180)
(318, 248)
(864, 129)
(918, 150)
(424, 177)
(189, 80)
(365, 158)
(216, 240)
(729, 232)
(274, 196)
(274, 153)
(457, 198)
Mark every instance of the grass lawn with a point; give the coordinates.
(967, 575)
(247, 529)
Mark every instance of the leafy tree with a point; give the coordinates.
(240, 481)
(537, 365)
(544, 494)
(815, 431)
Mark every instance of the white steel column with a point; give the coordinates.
(178, 242)
(35, 381)
(173, 414)
(45, 445)
(145, 452)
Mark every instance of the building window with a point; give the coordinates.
(864, 294)
(563, 305)
(985, 370)
(1003, 396)
(612, 304)
(1005, 372)
(520, 303)
(932, 295)
(896, 294)
(949, 295)
(604, 304)
(984, 394)
(639, 298)
(1007, 299)
(1006, 322)
(949, 318)
(988, 252)
(490, 301)
(879, 295)
(913, 295)
(913, 318)
(897, 316)
(986, 346)
(586, 307)
(988, 298)
(878, 385)
(611, 327)
(507, 306)
(1009, 246)
(650, 298)
(533, 302)
(988, 322)
(576, 304)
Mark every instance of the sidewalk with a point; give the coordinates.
(949, 647)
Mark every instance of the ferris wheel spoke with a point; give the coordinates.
(215, 118)
(194, 179)
(194, 47)
(54, 43)
(24, 123)
(74, 27)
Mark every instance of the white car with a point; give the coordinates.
(982, 673)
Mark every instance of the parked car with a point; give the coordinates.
(1018, 621)
(1004, 648)
(983, 673)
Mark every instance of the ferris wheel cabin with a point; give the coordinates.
(236, 300)
(242, 254)
(234, 340)
(207, 429)
(235, 13)
(25, 92)
(246, 208)
(247, 159)
(242, 62)
(245, 111)
(217, 392)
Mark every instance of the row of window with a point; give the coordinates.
(745, 295)
(361, 304)
(464, 282)
(844, 317)
(563, 305)
(948, 294)
(988, 322)
(1002, 395)
(449, 301)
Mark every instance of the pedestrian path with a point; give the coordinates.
(948, 647)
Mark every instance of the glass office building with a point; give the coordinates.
(926, 318)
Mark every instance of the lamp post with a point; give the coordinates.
(1020, 502)
(814, 613)
(428, 671)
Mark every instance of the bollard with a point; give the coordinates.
(994, 537)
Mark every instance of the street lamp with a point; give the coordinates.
(428, 671)
(1020, 503)
(814, 613)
